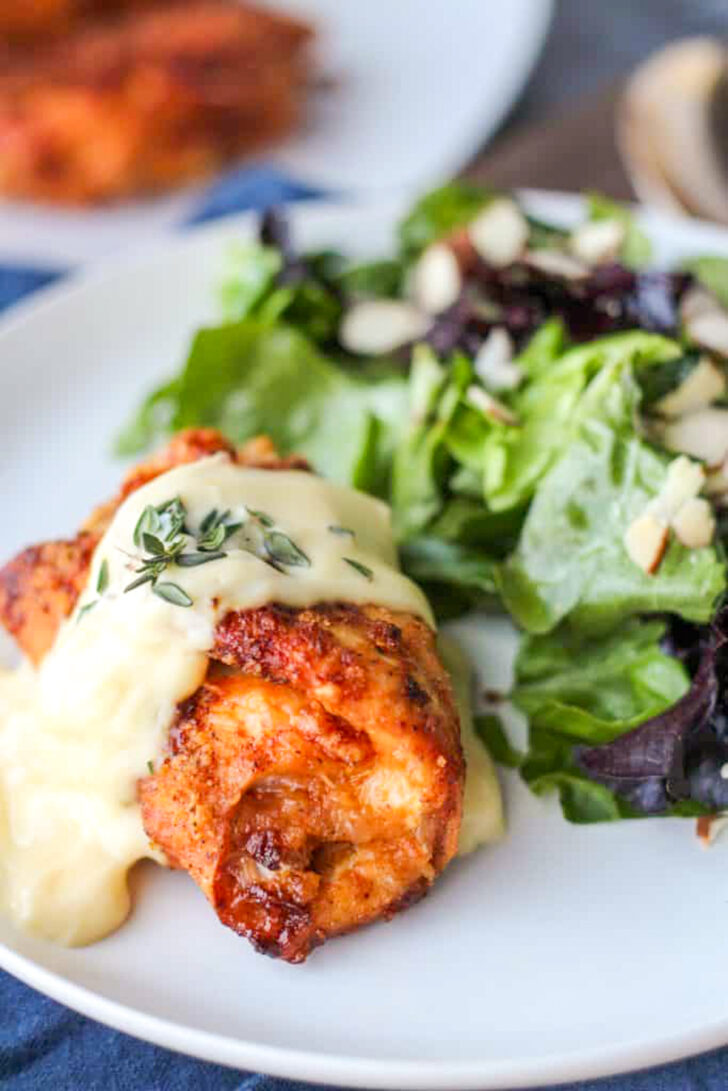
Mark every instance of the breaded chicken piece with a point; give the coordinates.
(24, 21)
(314, 782)
(148, 100)
(324, 775)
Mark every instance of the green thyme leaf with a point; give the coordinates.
(147, 577)
(85, 609)
(148, 522)
(190, 560)
(281, 550)
(150, 768)
(342, 531)
(360, 568)
(210, 521)
(103, 581)
(172, 593)
(152, 544)
(172, 515)
(230, 529)
(213, 539)
(263, 518)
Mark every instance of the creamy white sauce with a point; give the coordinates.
(483, 821)
(77, 734)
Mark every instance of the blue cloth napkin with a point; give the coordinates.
(46, 1047)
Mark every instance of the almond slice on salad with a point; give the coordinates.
(710, 331)
(377, 326)
(646, 541)
(490, 406)
(705, 383)
(703, 434)
(555, 263)
(705, 320)
(597, 241)
(694, 523)
(710, 826)
(696, 301)
(493, 362)
(716, 482)
(500, 232)
(683, 482)
(436, 279)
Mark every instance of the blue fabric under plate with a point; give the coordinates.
(46, 1047)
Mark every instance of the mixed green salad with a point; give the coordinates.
(547, 414)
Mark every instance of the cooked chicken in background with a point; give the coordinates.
(314, 782)
(153, 97)
(26, 21)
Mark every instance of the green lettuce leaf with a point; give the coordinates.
(438, 213)
(431, 560)
(581, 691)
(517, 457)
(544, 348)
(571, 561)
(712, 272)
(490, 729)
(374, 278)
(248, 377)
(250, 276)
(422, 460)
(251, 289)
(592, 691)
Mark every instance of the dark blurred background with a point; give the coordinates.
(596, 42)
(567, 108)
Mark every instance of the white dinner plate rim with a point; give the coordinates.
(332, 1068)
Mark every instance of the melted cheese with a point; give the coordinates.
(77, 734)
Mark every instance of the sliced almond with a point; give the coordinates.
(684, 481)
(490, 406)
(694, 523)
(436, 279)
(703, 434)
(705, 320)
(377, 326)
(696, 301)
(500, 232)
(646, 541)
(597, 241)
(705, 383)
(710, 331)
(555, 263)
(493, 362)
(716, 482)
(710, 826)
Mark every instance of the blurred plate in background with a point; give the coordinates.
(413, 90)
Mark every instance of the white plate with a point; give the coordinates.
(419, 86)
(565, 952)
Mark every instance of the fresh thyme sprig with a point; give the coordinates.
(164, 536)
(162, 533)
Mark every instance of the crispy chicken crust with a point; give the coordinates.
(314, 782)
(154, 97)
